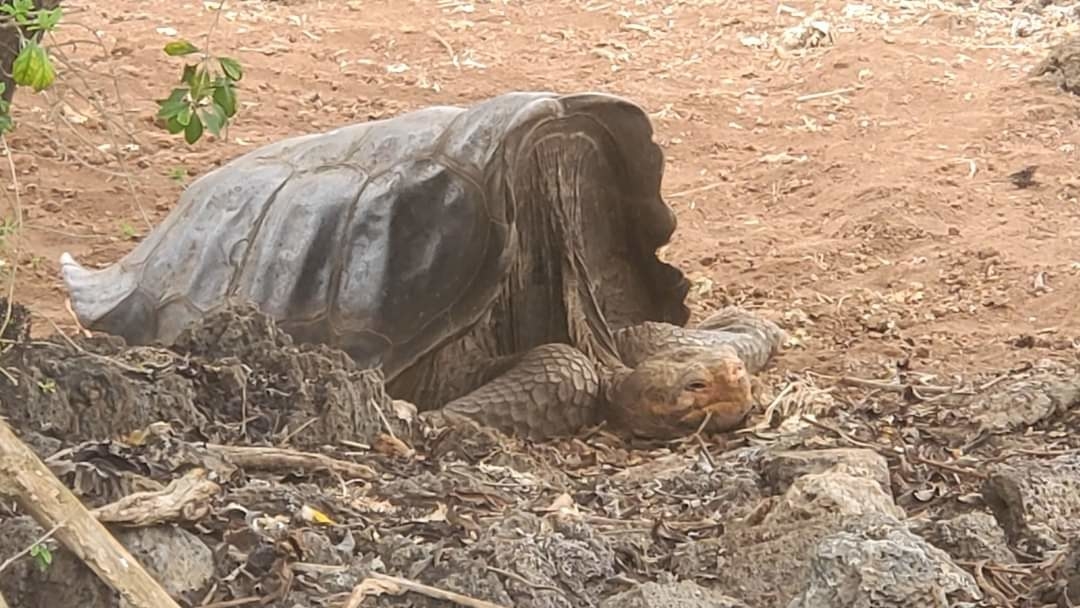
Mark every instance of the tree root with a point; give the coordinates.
(185, 499)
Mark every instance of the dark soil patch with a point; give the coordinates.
(234, 377)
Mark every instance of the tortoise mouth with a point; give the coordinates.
(722, 416)
(671, 420)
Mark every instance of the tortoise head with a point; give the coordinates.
(673, 392)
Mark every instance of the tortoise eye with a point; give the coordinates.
(696, 385)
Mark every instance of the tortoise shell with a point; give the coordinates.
(524, 219)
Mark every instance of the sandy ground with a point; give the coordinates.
(853, 185)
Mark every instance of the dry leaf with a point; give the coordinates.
(315, 516)
(439, 514)
(563, 502)
(370, 587)
(392, 446)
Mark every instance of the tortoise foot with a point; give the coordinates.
(552, 391)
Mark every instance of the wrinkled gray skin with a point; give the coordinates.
(500, 258)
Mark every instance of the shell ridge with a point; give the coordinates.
(253, 232)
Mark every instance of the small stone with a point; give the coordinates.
(684, 594)
(969, 536)
(780, 468)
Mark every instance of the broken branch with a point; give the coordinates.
(267, 458)
(184, 499)
(377, 584)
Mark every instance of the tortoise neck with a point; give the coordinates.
(611, 376)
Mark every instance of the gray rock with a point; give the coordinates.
(177, 559)
(780, 468)
(878, 562)
(1036, 502)
(818, 494)
(173, 556)
(684, 594)
(969, 536)
(764, 565)
(1018, 404)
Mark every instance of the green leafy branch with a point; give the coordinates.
(32, 67)
(207, 99)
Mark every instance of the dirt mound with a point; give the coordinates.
(233, 377)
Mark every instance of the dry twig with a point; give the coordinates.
(846, 437)
(44, 537)
(268, 458)
(378, 584)
(9, 308)
(915, 458)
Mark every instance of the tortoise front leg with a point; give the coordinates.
(552, 391)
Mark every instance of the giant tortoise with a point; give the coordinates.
(497, 261)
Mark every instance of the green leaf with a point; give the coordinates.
(42, 556)
(231, 67)
(32, 68)
(47, 20)
(177, 48)
(194, 130)
(6, 124)
(174, 104)
(225, 98)
(200, 84)
(172, 108)
(188, 75)
(184, 117)
(214, 118)
(178, 94)
(173, 125)
(23, 6)
(19, 10)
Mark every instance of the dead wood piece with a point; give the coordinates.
(185, 499)
(895, 387)
(45, 498)
(3, 604)
(378, 584)
(267, 458)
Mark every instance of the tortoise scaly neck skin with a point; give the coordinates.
(610, 377)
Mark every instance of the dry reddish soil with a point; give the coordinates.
(856, 188)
